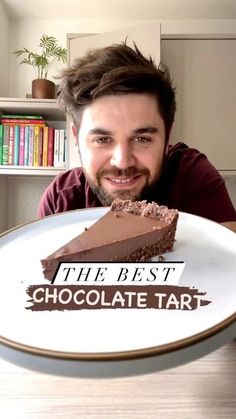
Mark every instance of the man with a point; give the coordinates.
(122, 107)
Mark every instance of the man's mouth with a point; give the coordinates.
(123, 181)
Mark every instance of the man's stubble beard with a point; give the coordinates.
(107, 198)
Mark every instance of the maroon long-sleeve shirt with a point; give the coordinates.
(188, 183)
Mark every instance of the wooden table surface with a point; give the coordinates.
(203, 389)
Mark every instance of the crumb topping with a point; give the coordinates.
(144, 209)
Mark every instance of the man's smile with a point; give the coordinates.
(122, 181)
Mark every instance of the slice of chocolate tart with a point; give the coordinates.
(129, 231)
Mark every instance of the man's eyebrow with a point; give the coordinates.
(148, 129)
(99, 131)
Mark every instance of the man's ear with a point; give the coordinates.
(75, 134)
(74, 130)
(168, 141)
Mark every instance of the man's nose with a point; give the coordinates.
(122, 156)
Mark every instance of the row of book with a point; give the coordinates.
(29, 141)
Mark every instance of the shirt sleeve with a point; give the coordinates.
(204, 190)
(59, 195)
(48, 200)
(65, 193)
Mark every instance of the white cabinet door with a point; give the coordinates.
(147, 39)
(204, 72)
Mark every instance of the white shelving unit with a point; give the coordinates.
(48, 107)
(32, 171)
(22, 186)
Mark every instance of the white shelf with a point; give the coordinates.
(22, 187)
(48, 108)
(31, 171)
(226, 173)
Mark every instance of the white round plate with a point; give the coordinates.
(100, 343)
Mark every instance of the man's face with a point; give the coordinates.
(122, 143)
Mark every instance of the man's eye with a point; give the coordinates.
(103, 140)
(142, 140)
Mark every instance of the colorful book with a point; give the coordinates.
(1, 143)
(36, 146)
(56, 148)
(31, 146)
(16, 144)
(11, 116)
(61, 147)
(40, 146)
(26, 154)
(23, 121)
(66, 155)
(45, 146)
(22, 146)
(11, 144)
(5, 144)
(51, 134)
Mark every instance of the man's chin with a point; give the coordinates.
(107, 198)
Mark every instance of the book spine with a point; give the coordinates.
(23, 121)
(16, 144)
(56, 148)
(36, 147)
(66, 151)
(1, 143)
(40, 146)
(26, 154)
(12, 116)
(45, 146)
(31, 145)
(11, 145)
(51, 134)
(61, 147)
(22, 146)
(5, 145)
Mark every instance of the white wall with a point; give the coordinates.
(4, 51)
(27, 32)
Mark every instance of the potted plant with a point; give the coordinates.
(50, 52)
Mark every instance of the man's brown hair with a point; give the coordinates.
(115, 70)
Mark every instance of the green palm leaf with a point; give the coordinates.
(41, 63)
